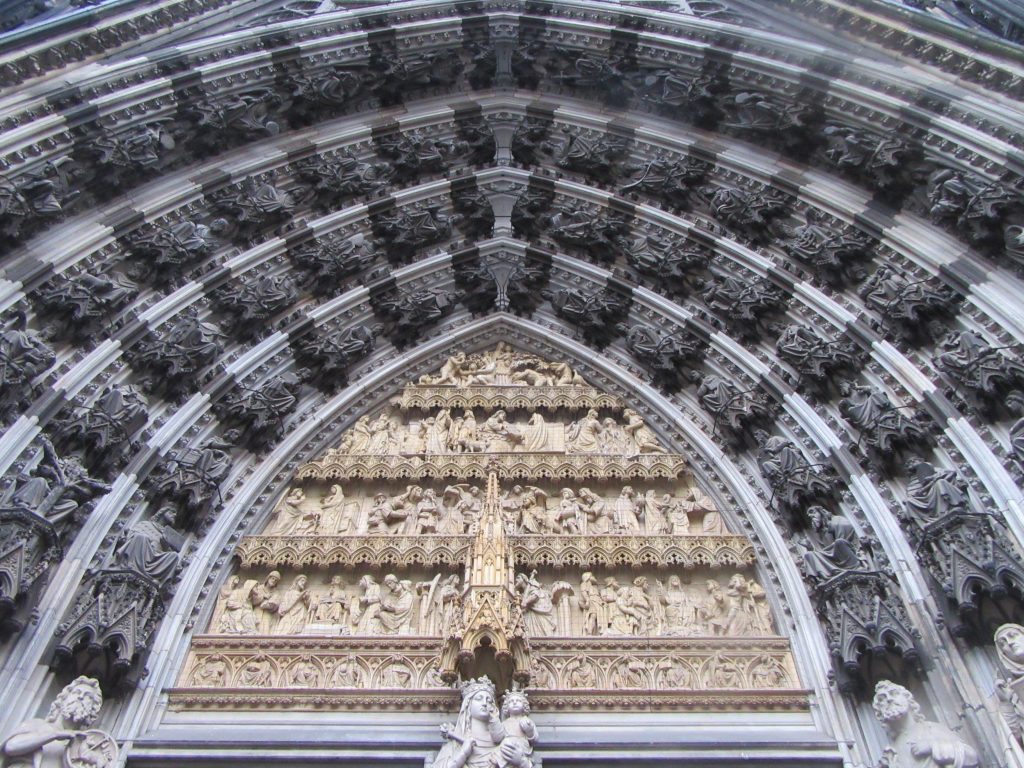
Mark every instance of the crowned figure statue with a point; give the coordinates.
(483, 736)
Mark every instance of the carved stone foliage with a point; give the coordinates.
(414, 154)
(255, 416)
(594, 234)
(914, 741)
(597, 316)
(336, 178)
(102, 431)
(789, 124)
(748, 213)
(886, 164)
(396, 75)
(993, 379)
(968, 554)
(737, 411)
(330, 260)
(30, 200)
(475, 213)
(673, 182)
(972, 207)
(741, 306)
(886, 429)
(29, 545)
(325, 358)
(673, 268)
(670, 357)
(162, 254)
(914, 308)
(832, 253)
(249, 306)
(530, 212)
(253, 207)
(78, 308)
(221, 121)
(406, 314)
(172, 356)
(796, 483)
(24, 355)
(109, 627)
(189, 480)
(65, 738)
(818, 361)
(404, 231)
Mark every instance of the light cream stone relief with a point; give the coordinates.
(503, 500)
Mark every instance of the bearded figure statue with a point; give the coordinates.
(914, 741)
(64, 738)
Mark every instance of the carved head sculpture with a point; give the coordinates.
(299, 583)
(586, 577)
(78, 703)
(391, 581)
(515, 704)
(273, 579)
(1009, 639)
(675, 582)
(477, 701)
(627, 491)
(567, 494)
(893, 705)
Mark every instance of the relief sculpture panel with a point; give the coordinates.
(499, 509)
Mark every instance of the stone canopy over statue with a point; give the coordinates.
(501, 518)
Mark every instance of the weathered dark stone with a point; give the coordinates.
(819, 362)
(742, 306)
(189, 481)
(171, 358)
(834, 255)
(329, 261)
(406, 314)
(249, 306)
(325, 358)
(913, 308)
(885, 429)
(24, 355)
(597, 316)
(405, 231)
(163, 254)
(102, 432)
(670, 357)
(84, 307)
(255, 417)
(737, 411)
(337, 178)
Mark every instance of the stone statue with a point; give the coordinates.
(538, 607)
(914, 741)
(152, 547)
(172, 356)
(740, 305)
(326, 358)
(80, 307)
(912, 306)
(64, 738)
(24, 355)
(667, 355)
(249, 306)
(479, 738)
(1009, 642)
(328, 261)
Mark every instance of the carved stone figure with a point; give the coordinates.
(79, 308)
(397, 75)
(228, 119)
(190, 479)
(670, 181)
(748, 213)
(294, 608)
(324, 92)
(29, 200)
(265, 601)
(339, 177)
(152, 547)
(831, 545)
(478, 286)
(326, 357)
(994, 379)
(736, 411)
(791, 126)
(530, 213)
(970, 205)
(58, 489)
(479, 738)
(795, 482)
(132, 154)
(884, 428)
(171, 358)
(913, 307)
(674, 268)
(252, 207)
(885, 163)
(103, 430)
(538, 608)
(594, 234)
(818, 361)
(525, 285)
(249, 307)
(367, 619)
(24, 355)
(255, 417)
(597, 315)
(740, 305)
(65, 738)
(475, 213)
(914, 741)
(237, 617)
(164, 253)
(396, 605)
(408, 313)
(833, 254)
(642, 436)
(668, 355)
(414, 154)
(598, 157)
(329, 260)
(1009, 643)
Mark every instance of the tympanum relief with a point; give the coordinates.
(503, 509)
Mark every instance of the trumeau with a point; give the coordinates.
(364, 365)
